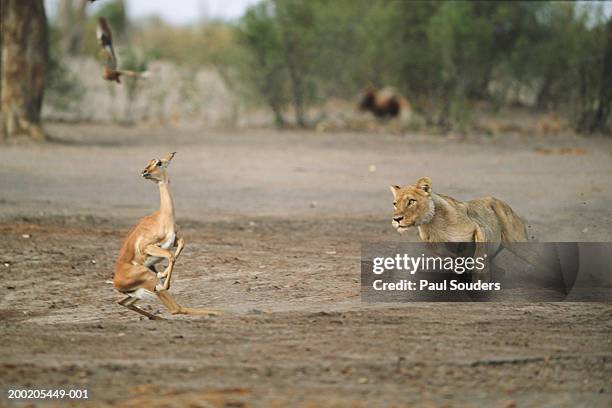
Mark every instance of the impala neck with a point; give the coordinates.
(166, 205)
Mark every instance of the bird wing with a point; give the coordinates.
(105, 38)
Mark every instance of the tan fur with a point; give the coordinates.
(148, 243)
(440, 218)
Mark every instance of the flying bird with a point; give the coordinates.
(110, 72)
(105, 38)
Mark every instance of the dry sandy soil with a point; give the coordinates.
(273, 224)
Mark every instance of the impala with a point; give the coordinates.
(149, 243)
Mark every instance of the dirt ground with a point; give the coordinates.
(273, 223)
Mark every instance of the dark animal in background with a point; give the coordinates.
(384, 103)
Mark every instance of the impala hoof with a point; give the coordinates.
(212, 313)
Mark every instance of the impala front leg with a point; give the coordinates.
(154, 250)
(180, 244)
(168, 272)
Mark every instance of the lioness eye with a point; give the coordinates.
(394, 203)
(411, 201)
(158, 164)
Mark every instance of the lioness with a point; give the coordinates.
(440, 218)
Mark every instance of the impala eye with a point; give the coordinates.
(411, 201)
(158, 164)
(395, 203)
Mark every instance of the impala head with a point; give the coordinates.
(156, 168)
(412, 204)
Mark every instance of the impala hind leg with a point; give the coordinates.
(137, 280)
(129, 303)
(175, 308)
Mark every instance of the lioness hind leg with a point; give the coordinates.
(512, 227)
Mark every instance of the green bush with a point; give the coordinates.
(63, 92)
(441, 55)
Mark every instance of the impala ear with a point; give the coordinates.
(424, 184)
(394, 189)
(167, 158)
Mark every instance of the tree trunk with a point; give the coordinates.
(296, 88)
(295, 72)
(595, 119)
(279, 120)
(72, 17)
(605, 87)
(24, 66)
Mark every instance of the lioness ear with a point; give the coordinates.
(424, 184)
(166, 160)
(394, 190)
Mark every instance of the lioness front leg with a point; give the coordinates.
(485, 274)
(168, 272)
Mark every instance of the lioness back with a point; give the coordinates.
(490, 210)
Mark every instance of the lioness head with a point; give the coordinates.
(412, 204)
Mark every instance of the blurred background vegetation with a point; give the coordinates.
(451, 60)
